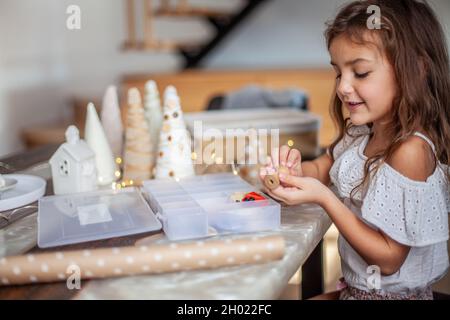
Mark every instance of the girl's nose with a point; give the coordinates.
(345, 87)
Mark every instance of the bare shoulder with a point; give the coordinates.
(413, 159)
(324, 162)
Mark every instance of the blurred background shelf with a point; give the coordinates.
(197, 88)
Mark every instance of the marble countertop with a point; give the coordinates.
(302, 227)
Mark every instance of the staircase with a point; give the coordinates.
(223, 21)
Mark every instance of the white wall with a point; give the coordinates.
(31, 68)
(42, 64)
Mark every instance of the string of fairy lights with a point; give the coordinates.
(119, 184)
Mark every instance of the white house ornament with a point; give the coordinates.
(73, 165)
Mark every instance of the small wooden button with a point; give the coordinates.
(272, 181)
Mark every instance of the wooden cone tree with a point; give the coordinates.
(138, 155)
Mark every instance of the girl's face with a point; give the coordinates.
(365, 81)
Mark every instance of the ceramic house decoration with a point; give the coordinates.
(153, 114)
(174, 150)
(112, 121)
(73, 165)
(138, 155)
(96, 139)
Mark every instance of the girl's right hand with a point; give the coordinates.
(285, 156)
(289, 158)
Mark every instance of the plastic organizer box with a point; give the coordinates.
(88, 216)
(191, 207)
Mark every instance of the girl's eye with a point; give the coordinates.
(338, 77)
(361, 75)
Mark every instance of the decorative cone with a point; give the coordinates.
(174, 151)
(138, 156)
(152, 106)
(112, 121)
(96, 139)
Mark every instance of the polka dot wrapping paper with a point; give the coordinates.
(123, 261)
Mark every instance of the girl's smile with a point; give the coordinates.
(352, 106)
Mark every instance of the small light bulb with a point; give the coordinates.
(118, 160)
(117, 174)
(290, 143)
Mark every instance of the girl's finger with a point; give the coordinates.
(291, 180)
(284, 153)
(262, 173)
(270, 193)
(288, 195)
(293, 157)
(269, 162)
(271, 170)
(275, 157)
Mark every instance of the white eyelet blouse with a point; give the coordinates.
(414, 213)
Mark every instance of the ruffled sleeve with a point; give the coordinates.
(349, 140)
(411, 212)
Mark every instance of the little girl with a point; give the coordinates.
(388, 168)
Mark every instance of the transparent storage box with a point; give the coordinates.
(81, 217)
(191, 207)
(298, 128)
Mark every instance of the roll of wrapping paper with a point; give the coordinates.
(135, 260)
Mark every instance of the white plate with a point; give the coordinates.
(9, 184)
(28, 190)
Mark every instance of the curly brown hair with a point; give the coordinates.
(413, 41)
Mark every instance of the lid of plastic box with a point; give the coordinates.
(88, 216)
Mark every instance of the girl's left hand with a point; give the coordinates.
(300, 190)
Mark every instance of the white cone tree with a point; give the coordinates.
(112, 121)
(174, 150)
(138, 155)
(152, 106)
(96, 139)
